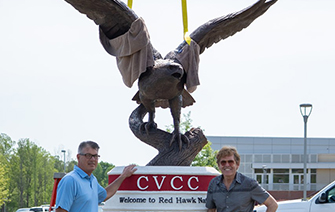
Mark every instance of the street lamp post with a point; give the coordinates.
(64, 159)
(264, 175)
(305, 110)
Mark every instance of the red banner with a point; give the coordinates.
(164, 182)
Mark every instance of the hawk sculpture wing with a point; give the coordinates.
(220, 28)
(113, 16)
(212, 32)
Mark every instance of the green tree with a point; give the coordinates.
(26, 173)
(4, 183)
(70, 165)
(206, 157)
(6, 149)
(185, 124)
(6, 146)
(101, 173)
(59, 164)
(42, 176)
(31, 175)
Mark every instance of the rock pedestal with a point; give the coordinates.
(162, 188)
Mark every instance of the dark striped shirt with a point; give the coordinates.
(241, 196)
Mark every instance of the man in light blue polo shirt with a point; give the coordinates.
(79, 190)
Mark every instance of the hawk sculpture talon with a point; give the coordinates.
(179, 138)
(147, 126)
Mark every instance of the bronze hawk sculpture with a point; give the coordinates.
(163, 82)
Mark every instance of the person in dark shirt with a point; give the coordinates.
(233, 191)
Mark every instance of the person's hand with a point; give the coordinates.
(115, 185)
(129, 170)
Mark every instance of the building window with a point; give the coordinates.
(242, 159)
(248, 158)
(298, 178)
(314, 159)
(296, 159)
(245, 164)
(262, 176)
(266, 158)
(285, 158)
(258, 159)
(281, 158)
(313, 175)
(281, 176)
(297, 171)
(248, 169)
(277, 158)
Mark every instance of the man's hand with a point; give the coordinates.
(115, 185)
(128, 171)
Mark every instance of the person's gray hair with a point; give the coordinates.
(91, 144)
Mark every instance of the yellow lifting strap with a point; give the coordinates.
(130, 3)
(187, 37)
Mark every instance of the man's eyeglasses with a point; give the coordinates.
(230, 162)
(89, 156)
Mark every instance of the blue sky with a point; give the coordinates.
(59, 87)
